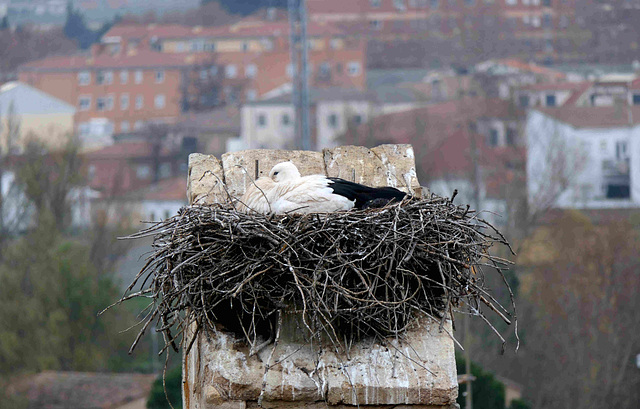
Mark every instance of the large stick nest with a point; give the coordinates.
(346, 275)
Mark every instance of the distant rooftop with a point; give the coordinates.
(595, 117)
(381, 94)
(50, 389)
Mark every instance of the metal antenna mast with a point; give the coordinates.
(298, 47)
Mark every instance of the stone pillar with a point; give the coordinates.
(417, 371)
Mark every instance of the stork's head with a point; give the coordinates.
(284, 171)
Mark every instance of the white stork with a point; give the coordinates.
(292, 193)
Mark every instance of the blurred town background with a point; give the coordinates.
(529, 108)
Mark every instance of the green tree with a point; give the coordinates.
(488, 392)
(158, 398)
(49, 301)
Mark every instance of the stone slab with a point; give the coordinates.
(206, 180)
(240, 167)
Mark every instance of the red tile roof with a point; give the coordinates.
(595, 117)
(123, 150)
(168, 189)
(557, 86)
(51, 389)
(442, 141)
(141, 59)
(242, 29)
(531, 67)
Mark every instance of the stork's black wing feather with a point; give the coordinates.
(363, 194)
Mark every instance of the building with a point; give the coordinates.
(252, 57)
(26, 111)
(114, 93)
(598, 93)
(471, 145)
(583, 157)
(500, 77)
(119, 169)
(269, 123)
(538, 27)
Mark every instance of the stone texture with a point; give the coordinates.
(206, 180)
(219, 372)
(240, 167)
(418, 370)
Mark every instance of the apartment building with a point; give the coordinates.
(250, 58)
(113, 92)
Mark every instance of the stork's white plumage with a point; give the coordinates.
(258, 196)
(309, 194)
(286, 191)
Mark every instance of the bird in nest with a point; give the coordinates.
(286, 191)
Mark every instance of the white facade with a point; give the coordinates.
(270, 125)
(585, 168)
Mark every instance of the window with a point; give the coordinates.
(523, 101)
(159, 76)
(512, 2)
(250, 70)
(546, 20)
(335, 43)
(125, 126)
(636, 99)
(166, 214)
(353, 68)
(139, 101)
(231, 71)
(332, 120)
(375, 24)
(375, 3)
(493, 137)
(109, 102)
(535, 21)
(546, 3)
(399, 5)
(245, 46)
(84, 78)
(84, 102)
(138, 77)
(564, 21)
(435, 4)
(204, 74)
(164, 170)
(213, 70)
(262, 120)
(512, 135)
(285, 120)
(124, 101)
(252, 95)
(143, 172)
(159, 101)
(197, 45)
(325, 69)
(124, 77)
(621, 150)
(137, 125)
(356, 119)
(104, 77)
(550, 100)
(101, 104)
(469, 2)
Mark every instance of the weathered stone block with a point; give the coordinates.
(206, 180)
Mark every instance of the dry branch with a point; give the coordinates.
(347, 275)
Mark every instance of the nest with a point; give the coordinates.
(345, 275)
